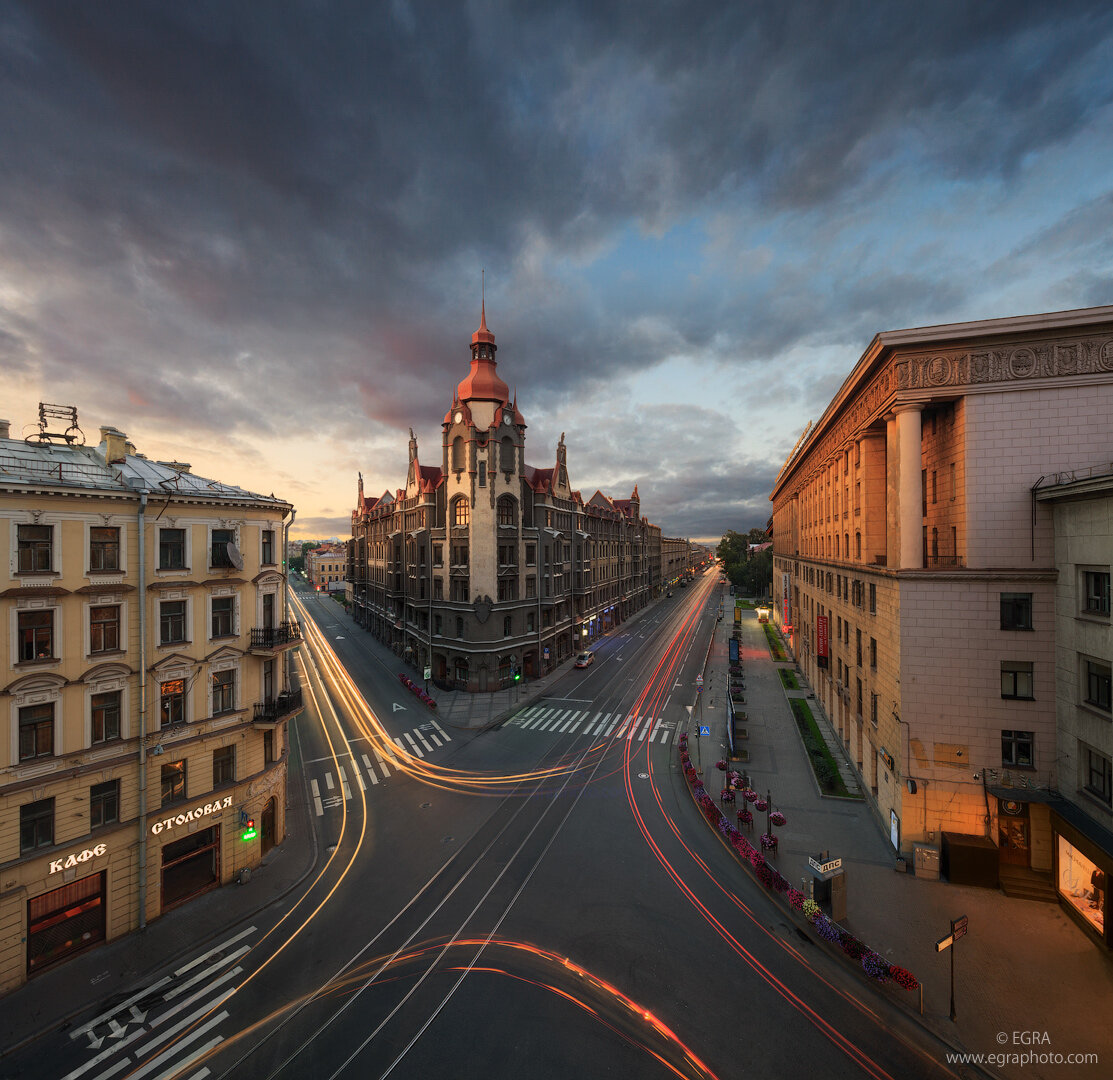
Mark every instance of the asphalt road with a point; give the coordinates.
(540, 900)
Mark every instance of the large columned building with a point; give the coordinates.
(915, 573)
(484, 565)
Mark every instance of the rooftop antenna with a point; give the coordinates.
(49, 412)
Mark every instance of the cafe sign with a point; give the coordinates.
(76, 858)
(166, 824)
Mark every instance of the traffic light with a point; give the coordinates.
(249, 832)
(517, 674)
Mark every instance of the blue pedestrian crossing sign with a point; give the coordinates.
(704, 731)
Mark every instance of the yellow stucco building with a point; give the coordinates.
(145, 690)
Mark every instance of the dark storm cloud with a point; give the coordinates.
(256, 218)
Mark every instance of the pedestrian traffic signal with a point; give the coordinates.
(249, 832)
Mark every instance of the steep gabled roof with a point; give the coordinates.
(538, 479)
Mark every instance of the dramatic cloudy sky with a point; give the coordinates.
(251, 234)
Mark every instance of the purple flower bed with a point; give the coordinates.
(873, 964)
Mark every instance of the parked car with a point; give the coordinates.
(585, 658)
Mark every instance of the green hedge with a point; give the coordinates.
(775, 646)
(789, 679)
(823, 764)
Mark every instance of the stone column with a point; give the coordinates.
(909, 504)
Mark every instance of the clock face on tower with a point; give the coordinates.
(459, 417)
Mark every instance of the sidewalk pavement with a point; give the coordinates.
(1023, 967)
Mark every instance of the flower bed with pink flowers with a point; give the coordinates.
(872, 963)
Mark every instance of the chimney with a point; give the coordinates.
(5, 429)
(115, 445)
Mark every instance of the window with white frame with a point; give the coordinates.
(34, 549)
(104, 547)
(1097, 775)
(172, 622)
(1097, 677)
(172, 702)
(172, 549)
(1095, 592)
(105, 716)
(223, 620)
(1017, 748)
(104, 628)
(224, 692)
(36, 731)
(35, 634)
(1017, 679)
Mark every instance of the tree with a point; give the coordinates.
(750, 573)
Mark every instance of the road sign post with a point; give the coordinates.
(958, 930)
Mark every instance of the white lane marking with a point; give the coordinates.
(656, 729)
(210, 952)
(201, 1051)
(444, 734)
(370, 769)
(123, 1063)
(328, 781)
(92, 1062)
(77, 1033)
(206, 972)
(181, 1025)
(194, 998)
(158, 1062)
(417, 749)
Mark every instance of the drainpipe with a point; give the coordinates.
(142, 710)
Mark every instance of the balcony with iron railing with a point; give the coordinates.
(271, 639)
(271, 713)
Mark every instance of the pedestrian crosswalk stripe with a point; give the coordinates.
(617, 717)
(444, 734)
(370, 769)
(575, 723)
(417, 749)
(656, 729)
(328, 781)
(344, 783)
(622, 730)
(434, 740)
(382, 762)
(645, 730)
(317, 797)
(424, 742)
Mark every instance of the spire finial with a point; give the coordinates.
(483, 299)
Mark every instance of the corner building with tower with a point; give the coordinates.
(942, 549)
(484, 568)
